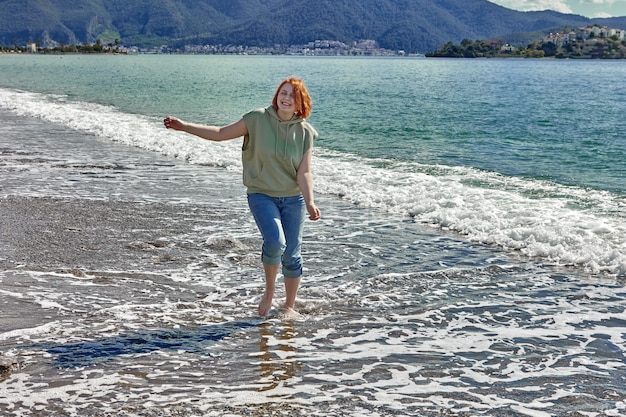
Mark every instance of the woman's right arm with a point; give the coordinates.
(214, 133)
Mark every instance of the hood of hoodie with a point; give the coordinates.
(285, 131)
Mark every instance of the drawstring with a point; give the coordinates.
(276, 137)
(285, 138)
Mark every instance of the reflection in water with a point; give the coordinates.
(278, 354)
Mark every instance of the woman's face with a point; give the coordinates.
(286, 100)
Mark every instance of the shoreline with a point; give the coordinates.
(75, 235)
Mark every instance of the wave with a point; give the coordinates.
(555, 223)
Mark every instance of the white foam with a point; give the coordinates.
(538, 219)
(441, 354)
(130, 129)
(564, 225)
(26, 332)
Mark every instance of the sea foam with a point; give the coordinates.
(537, 219)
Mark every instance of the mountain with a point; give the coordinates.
(411, 25)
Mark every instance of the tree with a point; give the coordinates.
(548, 48)
(98, 46)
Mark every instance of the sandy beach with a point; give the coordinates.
(465, 263)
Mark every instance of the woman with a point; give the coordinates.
(276, 156)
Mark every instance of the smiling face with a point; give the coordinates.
(292, 97)
(286, 101)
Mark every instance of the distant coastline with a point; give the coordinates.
(590, 42)
(366, 47)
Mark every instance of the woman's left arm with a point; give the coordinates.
(304, 179)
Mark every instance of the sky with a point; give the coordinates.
(588, 8)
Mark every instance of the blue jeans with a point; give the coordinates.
(281, 222)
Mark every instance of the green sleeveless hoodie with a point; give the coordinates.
(272, 151)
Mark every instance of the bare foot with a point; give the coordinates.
(290, 313)
(265, 305)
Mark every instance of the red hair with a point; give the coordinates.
(303, 101)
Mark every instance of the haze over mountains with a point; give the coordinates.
(415, 26)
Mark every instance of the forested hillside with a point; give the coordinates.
(410, 25)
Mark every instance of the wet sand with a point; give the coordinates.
(83, 237)
(52, 234)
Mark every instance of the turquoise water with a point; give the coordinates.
(549, 119)
(470, 259)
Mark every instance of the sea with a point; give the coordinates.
(470, 259)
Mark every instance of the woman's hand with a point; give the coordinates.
(314, 212)
(175, 123)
